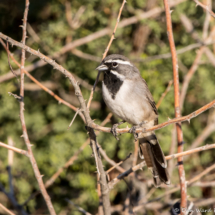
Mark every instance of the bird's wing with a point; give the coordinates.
(149, 97)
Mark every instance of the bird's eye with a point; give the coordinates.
(114, 64)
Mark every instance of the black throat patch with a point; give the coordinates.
(112, 82)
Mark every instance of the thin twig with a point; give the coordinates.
(190, 29)
(20, 151)
(89, 38)
(189, 183)
(22, 118)
(74, 118)
(205, 133)
(189, 75)
(6, 210)
(11, 68)
(15, 96)
(77, 89)
(100, 210)
(113, 182)
(106, 51)
(68, 163)
(85, 55)
(60, 100)
(164, 94)
(205, 7)
(168, 55)
(12, 199)
(161, 125)
(207, 21)
(117, 165)
(81, 99)
(78, 207)
(205, 172)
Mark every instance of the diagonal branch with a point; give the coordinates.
(68, 47)
(113, 182)
(6, 210)
(89, 122)
(189, 75)
(205, 7)
(164, 94)
(106, 51)
(20, 151)
(41, 85)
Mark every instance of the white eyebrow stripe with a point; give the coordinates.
(119, 61)
(120, 76)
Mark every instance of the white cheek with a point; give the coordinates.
(120, 76)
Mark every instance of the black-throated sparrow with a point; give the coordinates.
(127, 95)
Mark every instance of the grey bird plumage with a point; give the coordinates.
(127, 95)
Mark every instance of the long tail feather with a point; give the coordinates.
(154, 158)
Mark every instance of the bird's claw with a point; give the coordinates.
(133, 131)
(114, 132)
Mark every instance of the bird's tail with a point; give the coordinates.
(151, 151)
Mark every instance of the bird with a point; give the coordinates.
(127, 95)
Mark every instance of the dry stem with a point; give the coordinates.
(164, 94)
(189, 75)
(81, 99)
(6, 210)
(60, 100)
(20, 151)
(177, 106)
(89, 38)
(22, 118)
(106, 51)
(205, 7)
(113, 182)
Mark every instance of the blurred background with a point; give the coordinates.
(52, 24)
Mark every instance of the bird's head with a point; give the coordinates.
(118, 65)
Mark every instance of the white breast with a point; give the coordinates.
(125, 105)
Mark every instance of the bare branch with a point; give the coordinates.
(113, 182)
(177, 105)
(80, 97)
(78, 207)
(85, 55)
(161, 125)
(207, 21)
(20, 151)
(189, 75)
(205, 7)
(22, 118)
(116, 165)
(6, 210)
(89, 38)
(164, 94)
(168, 55)
(60, 100)
(105, 53)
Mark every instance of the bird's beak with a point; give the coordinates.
(102, 67)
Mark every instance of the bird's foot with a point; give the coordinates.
(133, 131)
(134, 128)
(113, 129)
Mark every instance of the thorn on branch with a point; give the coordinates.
(79, 110)
(19, 98)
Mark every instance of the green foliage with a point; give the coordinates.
(47, 120)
